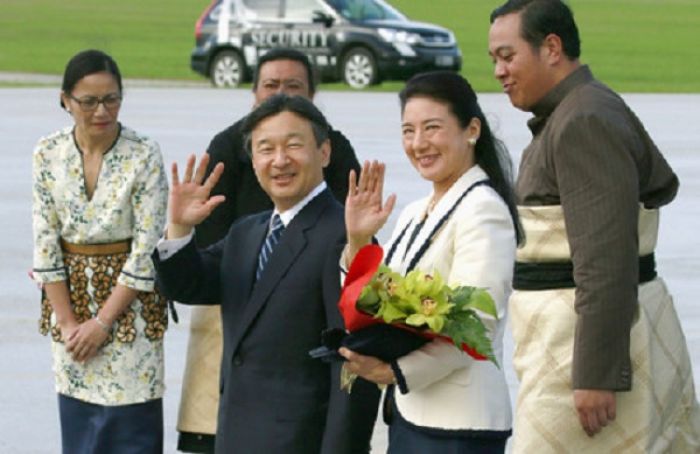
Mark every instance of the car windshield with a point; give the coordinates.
(362, 10)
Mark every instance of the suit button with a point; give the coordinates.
(237, 360)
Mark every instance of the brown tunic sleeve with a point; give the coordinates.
(599, 193)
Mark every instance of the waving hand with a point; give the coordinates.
(364, 212)
(190, 202)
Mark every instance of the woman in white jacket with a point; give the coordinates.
(467, 230)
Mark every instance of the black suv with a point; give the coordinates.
(359, 41)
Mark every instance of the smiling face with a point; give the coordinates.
(435, 143)
(525, 73)
(287, 161)
(98, 123)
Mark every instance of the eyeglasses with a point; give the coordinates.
(90, 103)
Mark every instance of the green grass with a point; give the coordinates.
(633, 45)
(148, 38)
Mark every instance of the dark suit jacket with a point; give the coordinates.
(243, 193)
(275, 398)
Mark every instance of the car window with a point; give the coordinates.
(301, 10)
(362, 10)
(262, 9)
(216, 11)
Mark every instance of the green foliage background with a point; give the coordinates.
(633, 45)
(148, 38)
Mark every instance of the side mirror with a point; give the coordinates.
(319, 17)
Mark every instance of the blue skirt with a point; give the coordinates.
(406, 438)
(124, 429)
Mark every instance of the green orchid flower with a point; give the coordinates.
(368, 300)
(432, 311)
(380, 289)
(426, 302)
(390, 312)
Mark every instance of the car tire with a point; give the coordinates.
(359, 68)
(227, 69)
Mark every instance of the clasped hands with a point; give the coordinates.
(189, 201)
(83, 340)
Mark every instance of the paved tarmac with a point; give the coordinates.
(183, 120)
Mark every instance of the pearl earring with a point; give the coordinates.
(472, 141)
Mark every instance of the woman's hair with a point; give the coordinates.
(490, 153)
(85, 63)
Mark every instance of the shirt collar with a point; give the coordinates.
(289, 214)
(545, 106)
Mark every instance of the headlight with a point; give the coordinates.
(392, 35)
(452, 38)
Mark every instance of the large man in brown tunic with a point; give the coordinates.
(588, 186)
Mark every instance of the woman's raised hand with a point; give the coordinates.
(189, 202)
(365, 213)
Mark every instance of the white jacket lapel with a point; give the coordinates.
(440, 210)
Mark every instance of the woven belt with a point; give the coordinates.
(118, 247)
(553, 275)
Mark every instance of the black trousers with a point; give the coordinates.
(124, 429)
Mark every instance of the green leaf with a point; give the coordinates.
(461, 295)
(470, 330)
(481, 300)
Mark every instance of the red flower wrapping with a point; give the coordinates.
(362, 269)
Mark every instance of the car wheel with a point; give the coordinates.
(359, 68)
(227, 69)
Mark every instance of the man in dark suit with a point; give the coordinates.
(278, 286)
(279, 71)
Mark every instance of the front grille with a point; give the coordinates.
(436, 40)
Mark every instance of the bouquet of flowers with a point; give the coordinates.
(388, 315)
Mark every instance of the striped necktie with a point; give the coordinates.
(273, 236)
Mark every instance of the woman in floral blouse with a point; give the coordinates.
(99, 204)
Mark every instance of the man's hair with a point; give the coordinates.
(281, 53)
(539, 18)
(282, 102)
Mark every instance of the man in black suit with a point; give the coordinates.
(279, 71)
(276, 295)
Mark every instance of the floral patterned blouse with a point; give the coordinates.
(129, 201)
